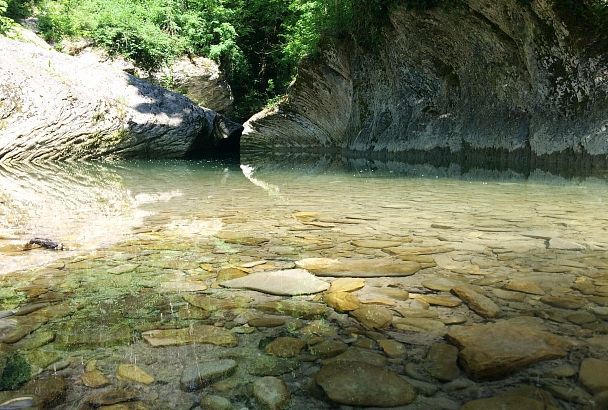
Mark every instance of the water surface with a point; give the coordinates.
(138, 236)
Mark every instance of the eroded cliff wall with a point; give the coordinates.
(481, 74)
(55, 106)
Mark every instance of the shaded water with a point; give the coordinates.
(147, 244)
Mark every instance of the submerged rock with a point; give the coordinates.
(494, 350)
(199, 375)
(197, 333)
(289, 282)
(362, 384)
(593, 375)
(271, 392)
(361, 268)
(78, 109)
(522, 398)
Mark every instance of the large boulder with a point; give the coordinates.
(200, 79)
(55, 106)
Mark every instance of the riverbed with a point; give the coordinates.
(300, 284)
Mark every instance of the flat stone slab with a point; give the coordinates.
(198, 375)
(496, 349)
(359, 268)
(593, 375)
(362, 384)
(480, 304)
(203, 334)
(288, 282)
(564, 244)
(294, 308)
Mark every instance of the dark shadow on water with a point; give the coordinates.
(466, 164)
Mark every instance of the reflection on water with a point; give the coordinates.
(137, 301)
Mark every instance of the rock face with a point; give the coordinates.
(55, 106)
(201, 80)
(480, 74)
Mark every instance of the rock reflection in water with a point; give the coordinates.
(447, 289)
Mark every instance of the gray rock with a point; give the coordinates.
(198, 375)
(362, 384)
(271, 392)
(213, 402)
(428, 91)
(289, 282)
(200, 79)
(73, 108)
(564, 244)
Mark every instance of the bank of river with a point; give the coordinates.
(189, 284)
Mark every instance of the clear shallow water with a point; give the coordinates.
(141, 235)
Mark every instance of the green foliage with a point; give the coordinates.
(4, 20)
(257, 42)
(16, 372)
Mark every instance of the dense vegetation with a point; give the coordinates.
(257, 42)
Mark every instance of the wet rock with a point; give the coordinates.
(122, 269)
(346, 285)
(328, 348)
(271, 392)
(567, 392)
(564, 301)
(373, 317)
(212, 304)
(290, 282)
(230, 273)
(581, 318)
(14, 329)
(438, 300)
(259, 364)
(133, 373)
(391, 292)
(441, 361)
(497, 349)
(213, 402)
(511, 401)
(198, 375)
(294, 308)
(420, 325)
(564, 244)
(266, 321)
(561, 371)
(375, 243)
(36, 340)
(355, 354)
(508, 295)
(285, 347)
(361, 268)
(197, 333)
(392, 348)
(593, 373)
(342, 301)
(94, 379)
(350, 384)
(18, 403)
(440, 284)
(240, 239)
(110, 397)
(480, 304)
(525, 286)
(49, 392)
